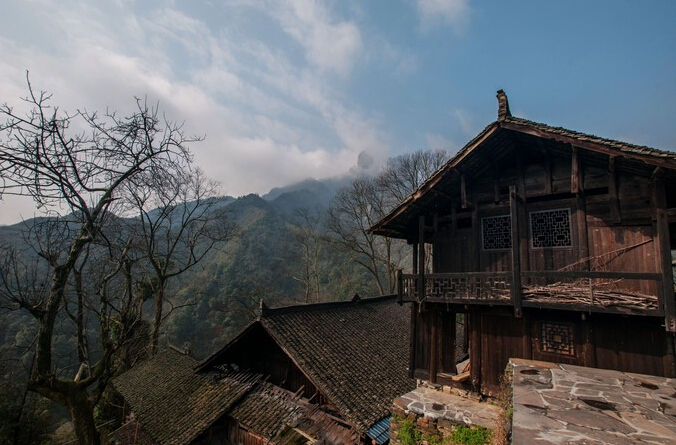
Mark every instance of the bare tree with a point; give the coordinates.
(179, 221)
(82, 178)
(354, 210)
(306, 233)
(358, 206)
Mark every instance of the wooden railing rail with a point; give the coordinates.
(560, 288)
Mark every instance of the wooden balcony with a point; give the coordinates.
(584, 291)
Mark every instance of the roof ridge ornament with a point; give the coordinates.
(503, 106)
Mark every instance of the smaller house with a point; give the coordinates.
(320, 373)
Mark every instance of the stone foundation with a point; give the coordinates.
(429, 416)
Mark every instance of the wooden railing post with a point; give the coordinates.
(516, 256)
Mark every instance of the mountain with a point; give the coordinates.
(264, 261)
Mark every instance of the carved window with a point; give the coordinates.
(496, 232)
(551, 228)
(558, 338)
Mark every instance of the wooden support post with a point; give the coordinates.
(613, 200)
(582, 228)
(474, 320)
(663, 250)
(516, 255)
(411, 343)
(549, 180)
(434, 340)
(496, 182)
(575, 180)
(463, 192)
(421, 258)
(400, 287)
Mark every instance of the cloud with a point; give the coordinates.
(270, 117)
(454, 13)
(330, 44)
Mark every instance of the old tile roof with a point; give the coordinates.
(493, 135)
(173, 403)
(267, 409)
(355, 352)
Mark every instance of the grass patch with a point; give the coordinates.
(465, 435)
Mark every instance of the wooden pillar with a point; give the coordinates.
(434, 342)
(577, 188)
(548, 172)
(496, 182)
(589, 345)
(516, 255)
(421, 258)
(575, 179)
(463, 192)
(663, 250)
(474, 319)
(400, 287)
(613, 200)
(411, 343)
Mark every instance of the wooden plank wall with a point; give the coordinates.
(625, 343)
(614, 205)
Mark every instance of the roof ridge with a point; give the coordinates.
(598, 139)
(355, 301)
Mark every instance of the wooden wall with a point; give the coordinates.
(612, 217)
(258, 352)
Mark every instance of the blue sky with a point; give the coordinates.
(290, 89)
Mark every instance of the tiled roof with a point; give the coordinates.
(174, 404)
(131, 433)
(267, 410)
(647, 153)
(355, 352)
(640, 153)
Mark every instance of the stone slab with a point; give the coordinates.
(567, 404)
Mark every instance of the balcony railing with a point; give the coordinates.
(627, 292)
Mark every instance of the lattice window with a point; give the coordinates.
(558, 338)
(551, 228)
(496, 232)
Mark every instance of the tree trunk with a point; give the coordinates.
(155, 335)
(82, 416)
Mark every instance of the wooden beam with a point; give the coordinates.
(516, 254)
(613, 200)
(463, 192)
(663, 250)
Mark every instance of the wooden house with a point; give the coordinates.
(319, 373)
(555, 245)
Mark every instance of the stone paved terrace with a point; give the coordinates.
(566, 404)
(436, 404)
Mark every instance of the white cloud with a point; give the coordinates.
(268, 119)
(330, 44)
(443, 12)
